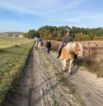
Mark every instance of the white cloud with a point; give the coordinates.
(39, 7)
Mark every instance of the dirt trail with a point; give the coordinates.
(88, 86)
(44, 84)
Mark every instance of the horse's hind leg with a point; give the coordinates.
(70, 66)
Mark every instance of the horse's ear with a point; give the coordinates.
(77, 44)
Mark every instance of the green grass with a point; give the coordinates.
(12, 61)
(11, 41)
(54, 104)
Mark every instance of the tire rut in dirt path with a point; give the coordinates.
(36, 95)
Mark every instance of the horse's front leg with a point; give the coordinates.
(70, 66)
(63, 65)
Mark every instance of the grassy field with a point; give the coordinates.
(11, 41)
(12, 60)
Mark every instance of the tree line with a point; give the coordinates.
(56, 33)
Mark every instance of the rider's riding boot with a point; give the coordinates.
(59, 53)
(58, 56)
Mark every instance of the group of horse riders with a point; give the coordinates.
(66, 39)
(67, 51)
(39, 43)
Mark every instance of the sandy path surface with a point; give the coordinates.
(90, 88)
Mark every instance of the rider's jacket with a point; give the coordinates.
(67, 39)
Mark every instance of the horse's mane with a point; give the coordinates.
(71, 45)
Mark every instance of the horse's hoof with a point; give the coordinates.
(70, 72)
(64, 70)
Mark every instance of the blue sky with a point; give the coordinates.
(22, 15)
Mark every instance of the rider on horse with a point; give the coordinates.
(38, 41)
(66, 39)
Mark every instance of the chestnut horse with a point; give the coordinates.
(68, 54)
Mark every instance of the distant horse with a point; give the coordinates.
(69, 53)
(40, 45)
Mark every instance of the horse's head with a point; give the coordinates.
(78, 50)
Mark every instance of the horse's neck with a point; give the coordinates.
(72, 45)
(69, 46)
